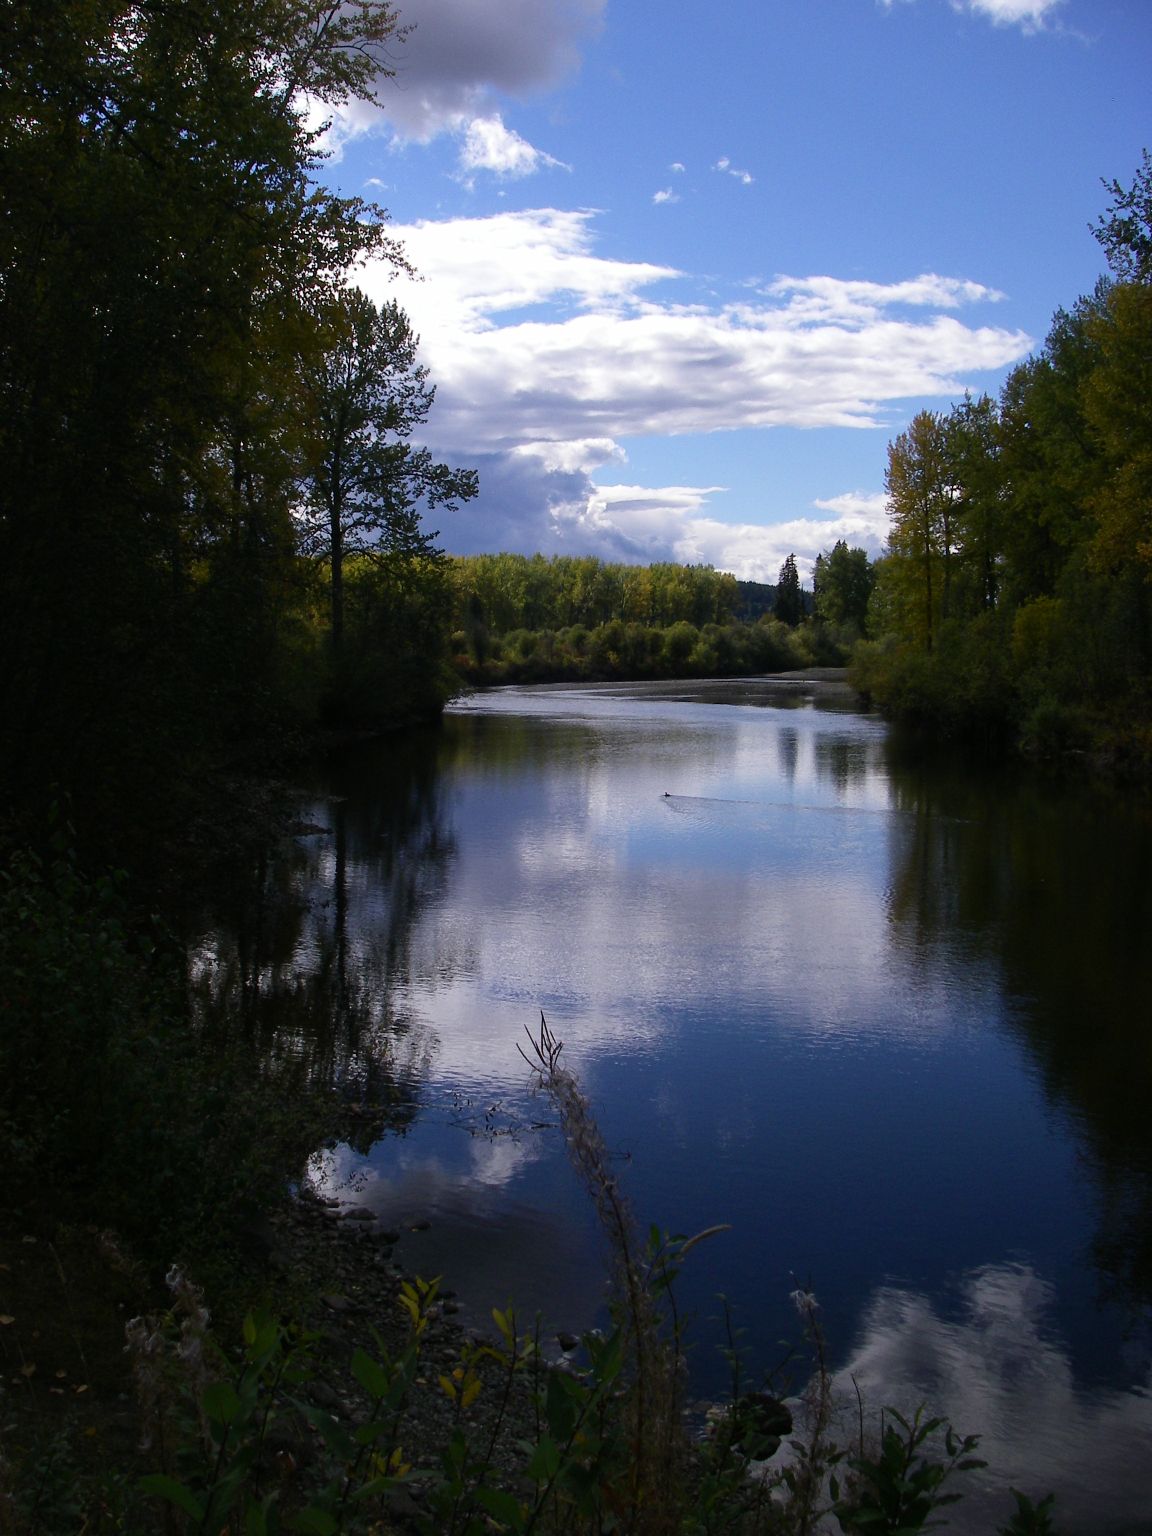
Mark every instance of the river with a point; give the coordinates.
(887, 1020)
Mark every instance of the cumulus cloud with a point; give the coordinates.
(527, 504)
(600, 358)
(548, 356)
(490, 146)
(848, 302)
(666, 196)
(462, 57)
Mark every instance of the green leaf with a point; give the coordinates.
(163, 1487)
(368, 1434)
(545, 1461)
(315, 1522)
(256, 1521)
(502, 1506)
(372, 1376)
(221, 1402)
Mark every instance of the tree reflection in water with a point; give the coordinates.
(304, 958)
(1017, 875)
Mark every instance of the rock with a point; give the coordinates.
(336, 1303)
(760, 1423)
(403, 1508)
(323, 1395)
(358, 1213)
(567, 1342)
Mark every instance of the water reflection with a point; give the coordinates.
(306, 953)
(1054, 886)
(989, 1355)
(883, 1018)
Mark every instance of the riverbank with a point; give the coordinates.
(71, 1406)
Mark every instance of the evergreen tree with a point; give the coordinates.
(789, 608)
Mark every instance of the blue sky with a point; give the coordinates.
(686, 270)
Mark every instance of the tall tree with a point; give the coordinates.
(1125, 230)
(162, 250)
(842, 585)
(367, 481)
(789, 606)
(921, 501)
(972, 447)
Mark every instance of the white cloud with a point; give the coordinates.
(666, 196)
(547, 357)
(847, 301)
(725, 165)
(601, 359)
(490, 146)
(1029, 15)
(473, 269)
(527, 505)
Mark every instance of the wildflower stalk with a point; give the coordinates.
(652, 1405)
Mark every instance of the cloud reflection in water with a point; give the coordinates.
(998, 1369)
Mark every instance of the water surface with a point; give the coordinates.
(888, 1021)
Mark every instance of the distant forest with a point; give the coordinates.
(519, 618)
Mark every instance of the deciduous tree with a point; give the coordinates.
(367, 482)
(921, 501)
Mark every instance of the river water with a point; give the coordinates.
(889, 1021)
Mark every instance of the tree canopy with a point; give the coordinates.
(1017, 586)
(172, 285)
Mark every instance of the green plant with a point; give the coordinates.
(899, 1488)
(1029, 1519)
(212, 1426)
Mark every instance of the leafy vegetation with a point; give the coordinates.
(1015, 598)
(189, 389)
(533, 619)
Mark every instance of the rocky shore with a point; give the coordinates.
(339, 1262)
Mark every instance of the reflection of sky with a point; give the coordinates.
(702, 901)
(997, 1365)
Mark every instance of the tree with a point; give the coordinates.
(789, 606)
(163, 251)
(842, 585)
(921, 501)
(972, 449)
(1049, 454)
(1115, 398)
(367, 480)
(1125, 232)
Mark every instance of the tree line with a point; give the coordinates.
(1015, 596)
(210, 513)
(519, 618)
